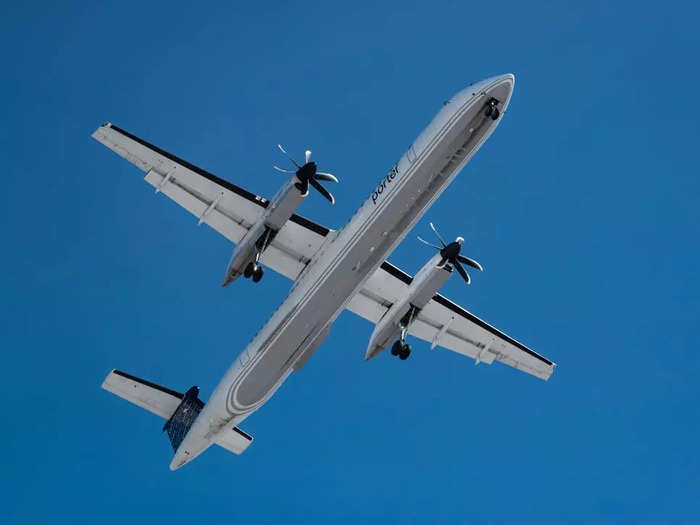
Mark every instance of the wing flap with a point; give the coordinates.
(367, 307)
(233, 228)
(383, 288)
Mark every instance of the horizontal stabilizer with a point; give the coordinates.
(154, 398)
(164, 402)
(233, 440)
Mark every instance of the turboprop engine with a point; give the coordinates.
(245, 259)
(395, 323)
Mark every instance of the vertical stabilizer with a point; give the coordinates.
(184, 416)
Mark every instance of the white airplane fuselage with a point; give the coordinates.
(347, 259)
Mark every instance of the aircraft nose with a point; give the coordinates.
(507, 81)
(508, 77)
(501, 87)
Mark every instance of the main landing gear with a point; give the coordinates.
(253, 270)
(492, 109)
(401, 349)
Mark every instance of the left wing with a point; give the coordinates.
(229, 209)
(444, 323)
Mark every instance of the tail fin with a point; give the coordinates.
(182, 419)
(180, 410)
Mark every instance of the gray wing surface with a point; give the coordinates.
(446, 324)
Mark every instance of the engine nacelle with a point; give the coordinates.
(403, 312)
(260, 235)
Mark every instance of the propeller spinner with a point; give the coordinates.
(308, 175)
(450, 254)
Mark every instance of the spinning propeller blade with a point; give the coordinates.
(470, 262)
(282, 170)
(288, 156)
(326, 176)
(462, 272)
(323, 191)
(438, 235)
(307, 175)
(429, 244)
(450, 254)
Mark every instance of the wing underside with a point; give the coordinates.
(444, 323)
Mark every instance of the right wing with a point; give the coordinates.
(227, 208)
(443, 323)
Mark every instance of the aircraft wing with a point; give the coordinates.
(444, 323)
(227, 208)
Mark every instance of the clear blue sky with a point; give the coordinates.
(583, 208)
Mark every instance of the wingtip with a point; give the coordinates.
(104, 384)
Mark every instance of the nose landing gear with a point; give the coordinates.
(492, 109)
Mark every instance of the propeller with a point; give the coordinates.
(450, 254)
(308, 175)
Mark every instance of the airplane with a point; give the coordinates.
(331, 270)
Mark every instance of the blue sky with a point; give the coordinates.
(583, 208)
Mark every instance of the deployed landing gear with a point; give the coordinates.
(253, 270)
(492, 109)
(249, 270)
(401, 349)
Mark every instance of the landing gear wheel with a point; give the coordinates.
(495, 114)
(396, 348)
(489, 110)
(257, 274)
(405, 352)
(249, 270)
